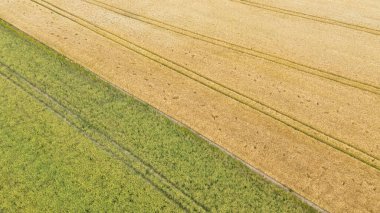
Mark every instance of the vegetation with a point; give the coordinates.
(71, 142)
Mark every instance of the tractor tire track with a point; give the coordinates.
(254, 169)
(310, 17)
(105, 142)
(306, 129)
(241, 49)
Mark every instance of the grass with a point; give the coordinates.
(71, 142)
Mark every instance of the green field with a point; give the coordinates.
(71, 142)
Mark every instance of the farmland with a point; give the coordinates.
(70, 141)
(290, 89)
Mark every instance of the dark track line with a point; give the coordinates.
(109, 145)
(324, 138)
(254, 169)
(320, 19)
(241, 49)
(77, 114)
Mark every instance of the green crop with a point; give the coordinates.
(71, 142)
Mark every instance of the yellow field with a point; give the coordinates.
(291, 89)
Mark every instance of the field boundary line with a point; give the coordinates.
(324, 20)
(241, 49)
(306, 129)
(33, 40)
(105, 142)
